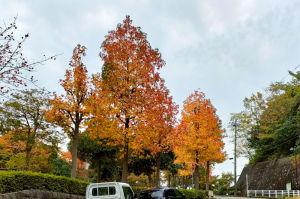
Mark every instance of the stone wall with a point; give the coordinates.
(39, 194)
(271, 175)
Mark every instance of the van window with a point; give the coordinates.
(94, 192)
(112, 190)
(102, 191)
(128, 194)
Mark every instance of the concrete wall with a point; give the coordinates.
(39, 194)
(271, 175)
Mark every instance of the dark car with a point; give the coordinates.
(161, 193)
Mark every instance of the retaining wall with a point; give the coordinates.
(271, 175)
(39, 194)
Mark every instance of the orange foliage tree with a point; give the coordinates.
(68, 111)
(199, 135)
(13, 154)
(23, 119)
(160, 122)
(128, 83)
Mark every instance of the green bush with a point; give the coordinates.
(193, 193)
(12, 181)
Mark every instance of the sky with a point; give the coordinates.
(228, 49)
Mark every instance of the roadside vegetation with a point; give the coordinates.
(121, 122)
(269, 124)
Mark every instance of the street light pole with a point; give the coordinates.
(235, 130)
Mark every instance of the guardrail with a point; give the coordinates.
(273, 193)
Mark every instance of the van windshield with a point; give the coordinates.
(128, 194)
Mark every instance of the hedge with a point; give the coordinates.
(12, 181)
(193, 193)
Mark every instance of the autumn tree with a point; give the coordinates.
(199, 135)
(23, 122)
(129, 79)
(13, 64)
(248, 121)
(160, 122)
(268, 126)
(68, 111)
(13, 154)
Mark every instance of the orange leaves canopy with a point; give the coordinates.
(199, 133)
(13, 154)
(130, 85)
(68, 110)
(160, 122)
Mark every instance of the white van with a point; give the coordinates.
(109, 190)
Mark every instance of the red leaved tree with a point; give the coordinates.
(13, 64)
(128, 84)
(68, 111)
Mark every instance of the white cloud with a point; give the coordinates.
(180, 34)
(13, 8)
(219, 16)
(105, 18)
(266, 50)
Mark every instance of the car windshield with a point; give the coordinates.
(154, 193)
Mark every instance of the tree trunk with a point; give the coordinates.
(196, 177)
(74, 154)
(99, 171)
(125, 165)
(126, 154)
(169, 180)
(197, 172)
(207, 176)
(157, 181)
(173, 180)
(185, 179)
(149, 179)
(27, 158)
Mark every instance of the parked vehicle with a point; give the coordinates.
(161, 193)
(109, 190)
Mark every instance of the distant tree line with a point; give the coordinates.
(269, 125)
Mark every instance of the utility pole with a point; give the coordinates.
(235, 131)
(247, 185)
(296, 162)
